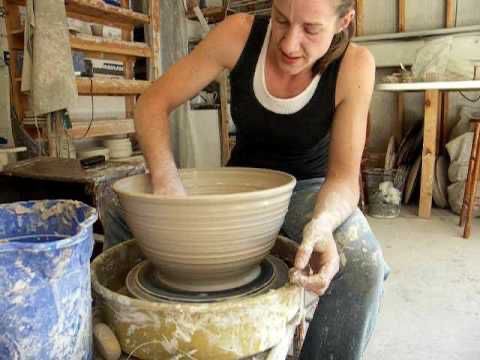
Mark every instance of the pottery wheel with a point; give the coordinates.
(143, 284)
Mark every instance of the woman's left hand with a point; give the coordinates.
(319, 251)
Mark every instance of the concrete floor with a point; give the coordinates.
(431, 307)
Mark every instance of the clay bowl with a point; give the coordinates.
(215, 238)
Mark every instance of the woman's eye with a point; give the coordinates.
(282, 21)
(312, 31)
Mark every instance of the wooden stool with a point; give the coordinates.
(472, 178)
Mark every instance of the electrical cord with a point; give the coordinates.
(468, 99)
(92, 118)
(465, 96)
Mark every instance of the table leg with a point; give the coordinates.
(429, 152)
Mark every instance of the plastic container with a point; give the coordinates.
(45, 302)
(384, 196)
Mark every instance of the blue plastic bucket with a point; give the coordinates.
(45, 296)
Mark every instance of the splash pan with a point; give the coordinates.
(143, 283)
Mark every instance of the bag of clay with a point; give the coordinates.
(459, 150)
(432, 60)
(455, 198)
(464, 57)
(463, 125)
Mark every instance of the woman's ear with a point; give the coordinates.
(345, 21)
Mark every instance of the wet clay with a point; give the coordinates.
(215, 237)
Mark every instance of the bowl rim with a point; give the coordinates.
(288, 186)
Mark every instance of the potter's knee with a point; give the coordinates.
(367, 271)
(112, 212)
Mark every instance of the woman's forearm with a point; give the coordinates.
(153, 133)
(336, 201)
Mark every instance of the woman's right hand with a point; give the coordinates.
(169, 187)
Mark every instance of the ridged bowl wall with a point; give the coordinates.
(214, 238)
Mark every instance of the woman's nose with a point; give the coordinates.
(290, 43)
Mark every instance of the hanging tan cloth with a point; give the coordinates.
(48, 73)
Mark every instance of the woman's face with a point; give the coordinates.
(302, 31)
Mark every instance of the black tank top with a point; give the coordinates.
(295, 143)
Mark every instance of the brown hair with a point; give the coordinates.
(340, 41)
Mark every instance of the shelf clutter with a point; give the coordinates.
(101, 36)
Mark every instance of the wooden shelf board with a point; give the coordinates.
(100, 44)
(417, 34)
(108, 86)
(212, 14)
(17, 32)
(105, 45)
(99, 12)
(437, 85)
(101, 128)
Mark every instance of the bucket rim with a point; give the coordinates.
(91, 215)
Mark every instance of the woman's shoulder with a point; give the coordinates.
(357, 71)
(357, 58)
(241, 22)
(237, 27)
(235, 30)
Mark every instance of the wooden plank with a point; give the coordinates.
(428, 152)
(127, 35)
(450, 13)
(51, 138)
(101, 128)
(402, 13)
(443, 136)
(109, 46)
(400, 120)
(437, 85)
(438, 138)
(153, 34)
(98, 11)
(106, 86)
(398, 127)
(223, 119)
(12, 23)
(105, 56)
(213, 14)
(58, 141)
(70, 170)
(360, 8)
(418, 34)
(472, 185)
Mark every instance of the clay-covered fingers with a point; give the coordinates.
(172, 187)
(303, 255)
(315, 237)
(320, 282)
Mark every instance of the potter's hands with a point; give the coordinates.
(319, 251)
(171, 186)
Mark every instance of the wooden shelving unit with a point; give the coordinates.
(110, 87)
(100, 12)
(124, 50)
(101, 128)
(212, 14)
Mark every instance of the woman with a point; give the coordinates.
(300, 98)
